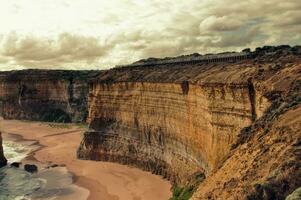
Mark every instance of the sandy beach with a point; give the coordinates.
(104, 181)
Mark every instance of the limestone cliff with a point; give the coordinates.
(265, 162)
(3, 160)
(171, 124)
(234, 120)
(180, 119)
(45, 95)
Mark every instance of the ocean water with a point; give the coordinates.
(17, 184)
(14, 151)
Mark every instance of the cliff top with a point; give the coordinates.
(246, 53)
(194, 68)
(48, 74)
(222, 69)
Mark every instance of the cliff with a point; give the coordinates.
(264, 162)
(183, 124)
(3, 160)
(234, 121)
(185, 119)
(43, 95)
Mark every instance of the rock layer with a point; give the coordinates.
(45, 95)
(265, 162)
(173, 128)
(235, 122)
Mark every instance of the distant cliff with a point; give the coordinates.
(3, 160)
(42, 95)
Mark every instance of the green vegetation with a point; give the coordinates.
(60, 125)
(182, 193)
(56, 115)
(186, 192)
(68, 126)
(82, 126)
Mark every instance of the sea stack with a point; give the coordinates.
(3, 160)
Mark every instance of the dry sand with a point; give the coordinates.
(105, 181)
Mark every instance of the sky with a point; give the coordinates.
(99, 34)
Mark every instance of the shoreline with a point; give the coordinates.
(61, 172)
(103, 180)
(18, 138)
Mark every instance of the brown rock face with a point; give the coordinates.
(266, 161)
(179, 130)
(3, 160)
(59, 96)
(236, 122)
(173, 120)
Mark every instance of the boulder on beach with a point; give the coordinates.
(30, 168)
(15, 164)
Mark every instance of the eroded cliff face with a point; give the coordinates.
(3, 160)
(235, 122)
(173, 128)
(59, 96)
(265, 163)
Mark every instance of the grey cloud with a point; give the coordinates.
(164, 28)
(290, 18)
(240, 39)
(3, 59)
(224, 23)
(67, 48)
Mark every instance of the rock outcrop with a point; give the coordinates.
(58, 96)
(180, 128)
(182, 119)
(3, 160)
(265, 161)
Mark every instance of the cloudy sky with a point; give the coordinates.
(98, 34)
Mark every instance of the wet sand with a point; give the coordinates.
(105, 181)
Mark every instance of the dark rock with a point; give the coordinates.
(3, 160)
(56, 165)
(53, 166)
(15, 164)
(30, 168)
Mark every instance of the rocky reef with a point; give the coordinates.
(182, 119)
(45, 95)
(3, 160)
